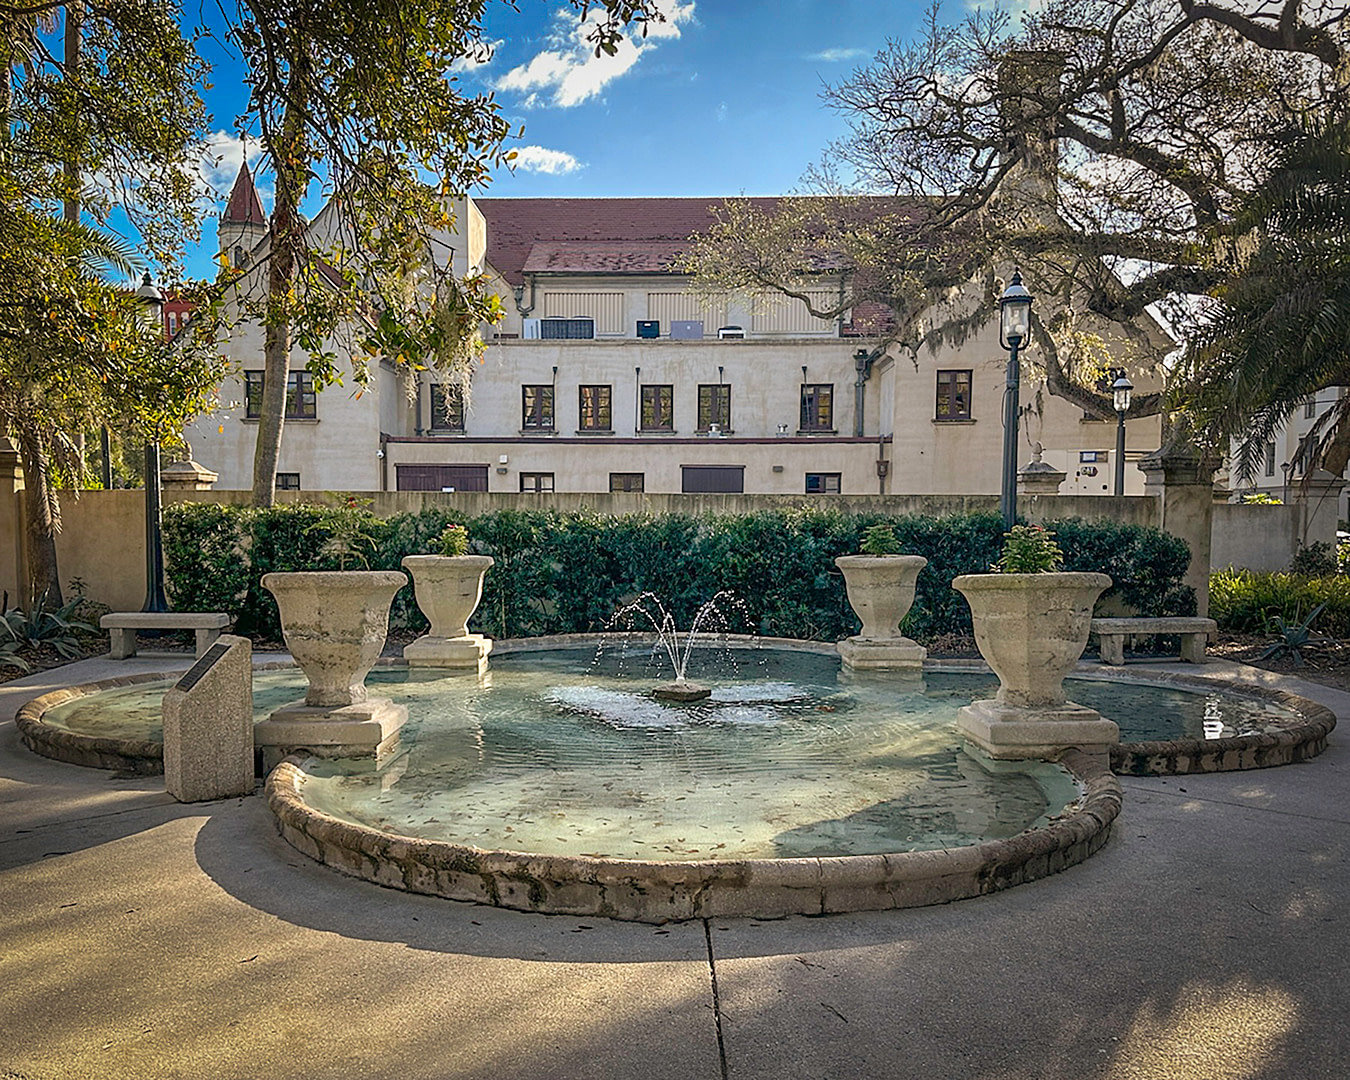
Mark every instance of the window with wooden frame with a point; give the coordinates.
(301, 400)
(537, 482)
(536, 407)
(658, 407)
(817, 407)
(714, 406)
(626, 481)
(593, 408)
(447, 407)
(822, 483)
(953, 395)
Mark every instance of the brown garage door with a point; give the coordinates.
(441, 477)
(713, 479)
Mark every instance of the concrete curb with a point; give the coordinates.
(659, 892)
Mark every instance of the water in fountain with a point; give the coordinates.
(647, 613)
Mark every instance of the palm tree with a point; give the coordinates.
(1280, 326)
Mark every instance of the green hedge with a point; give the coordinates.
(568, 572)
(1243, 601)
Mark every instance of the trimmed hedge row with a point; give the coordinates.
(568, 572)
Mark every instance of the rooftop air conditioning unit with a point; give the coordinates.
(686, 329)
(726, 333)
(649, 328)
(529, 329)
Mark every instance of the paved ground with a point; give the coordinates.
(141, 939)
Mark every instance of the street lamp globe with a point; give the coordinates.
(151, 299)
(1121, 390)
(1014, 322)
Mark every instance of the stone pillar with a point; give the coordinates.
(208, 725)
(1038, 477)
(12, 576)
(187, 476)
(1183, 482)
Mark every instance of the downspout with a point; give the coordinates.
(519, 290)
(637, 400)
(862, 365)
(417, 419)
(883, 466)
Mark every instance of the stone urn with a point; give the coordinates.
(1031, 629)
(448, 589)
(881, 592)
(335, 623)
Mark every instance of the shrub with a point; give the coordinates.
(879, 540)
(1029, 549)
(1245, 601)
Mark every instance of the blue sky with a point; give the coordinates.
(723, 99)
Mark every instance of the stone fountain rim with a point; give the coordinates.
(1298, 738)
(659, 891)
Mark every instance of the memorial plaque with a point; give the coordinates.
(208, 725)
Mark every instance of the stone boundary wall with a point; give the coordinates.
(102, 542)
(659, 892)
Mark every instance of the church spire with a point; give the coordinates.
(244, 207)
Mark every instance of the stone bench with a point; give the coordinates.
(1111, 635)
(122, 626)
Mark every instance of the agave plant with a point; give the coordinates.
(57, 628)
(1293, 637)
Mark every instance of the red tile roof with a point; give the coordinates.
(629, 230)
(244, 207)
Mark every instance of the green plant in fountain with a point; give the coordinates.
(1029, 549)
(1293, 637)
(348, 527)
(454, 540)
(879, 540)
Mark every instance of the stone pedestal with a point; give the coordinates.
(368, 729)
(1037, 477)
(208, 725)
(1008, 733)
(468, 652)
(335, 623)
(882, 654)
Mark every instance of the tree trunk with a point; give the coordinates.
(286, 229)
(42, 521)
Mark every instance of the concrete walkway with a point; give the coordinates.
(140, 939)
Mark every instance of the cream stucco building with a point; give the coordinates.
(609, 375)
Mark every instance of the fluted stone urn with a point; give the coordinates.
(881, 592)
(448, 589)
(1032, 629)
(335, 623)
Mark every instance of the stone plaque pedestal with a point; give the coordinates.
(1009, 733)
(882, 654)
(208, 725)
(470, 651)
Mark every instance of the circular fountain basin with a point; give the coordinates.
(795, 788)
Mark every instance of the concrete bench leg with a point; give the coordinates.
(206, 637)
(1193, 648)
(1112, 648)
(123, 643)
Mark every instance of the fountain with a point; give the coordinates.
(680, 689)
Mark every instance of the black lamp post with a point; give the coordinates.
(152, 301)
(1120, 391)
(1014, 328)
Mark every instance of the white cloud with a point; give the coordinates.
(541, 159)
(479, 57)
(835, 56)
(570, 71)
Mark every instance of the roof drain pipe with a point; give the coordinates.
(520, 296)
(862, 364)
